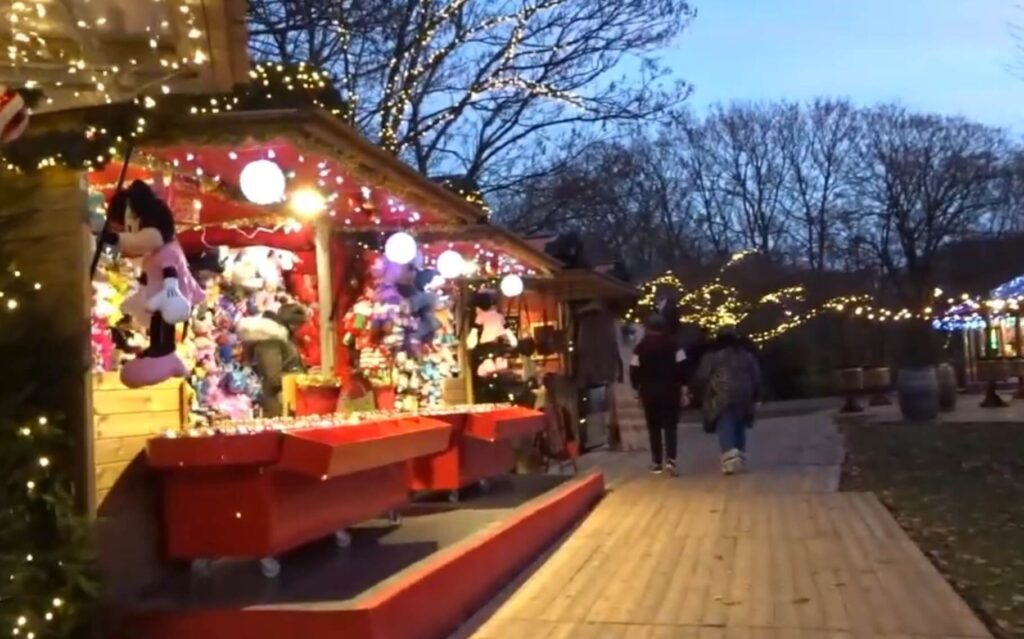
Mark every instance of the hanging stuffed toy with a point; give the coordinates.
(13, 114)
(423, 304)
(166, 287)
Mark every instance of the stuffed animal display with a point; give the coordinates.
(228, 379)
(103, 348)
(380, 324)
(490, 341)
(398, 337)
(491, 345)
(167, 291)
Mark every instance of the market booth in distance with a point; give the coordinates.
(213, 468)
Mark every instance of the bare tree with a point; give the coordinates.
(818, 143)
(714, 224)
(632, 196)
(463, 86)
(745, 151)
(926, 180)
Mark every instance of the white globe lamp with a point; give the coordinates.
(262, 182)
(400, 248)
(511, 285)
(450, 264)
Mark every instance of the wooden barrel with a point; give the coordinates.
(877, 378)
(918, 391)
(946, 378)
(851, 379)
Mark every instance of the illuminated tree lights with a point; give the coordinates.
(108, 132)
(47, 583)
(717, 304)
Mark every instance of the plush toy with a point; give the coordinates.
(168, 286)
(489, 325)
(423, 304)
(242, 270)
(103, 347)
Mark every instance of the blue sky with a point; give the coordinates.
(947, 56)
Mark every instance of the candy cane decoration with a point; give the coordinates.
(13, 114)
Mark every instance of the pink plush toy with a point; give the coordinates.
(169, 288)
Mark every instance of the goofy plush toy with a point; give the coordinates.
(167, 291)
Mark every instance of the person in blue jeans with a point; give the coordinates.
(729, 380)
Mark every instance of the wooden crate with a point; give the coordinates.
(124, 419)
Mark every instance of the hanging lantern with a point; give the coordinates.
(262, 182)
(511, 285)
(450, 264)
(400, 248)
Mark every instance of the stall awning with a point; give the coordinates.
(486, 237)
(197, 162)
(87, 52)
(582, 284)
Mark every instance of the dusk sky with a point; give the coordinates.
(948, 56)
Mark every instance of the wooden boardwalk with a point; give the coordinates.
(776, 553)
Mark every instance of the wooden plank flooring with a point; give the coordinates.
(776, 553)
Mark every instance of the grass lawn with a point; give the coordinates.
(958, 490)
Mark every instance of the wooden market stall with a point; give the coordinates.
(195, 162)
(165, 485)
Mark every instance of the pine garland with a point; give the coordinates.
(92, 137)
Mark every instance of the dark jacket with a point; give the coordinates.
(658, 367)
(270, 349)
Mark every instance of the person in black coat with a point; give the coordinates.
(656, 373)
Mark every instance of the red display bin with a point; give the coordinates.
(316, 400)
(481, 448)
(165, 453)
(228, 497)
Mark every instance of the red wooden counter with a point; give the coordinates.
(481, 447)
(259, 495)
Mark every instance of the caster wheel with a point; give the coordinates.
(484, 485)
(201, 567)
(342, 539)
(453, 497)
(270, 567)
(395, 517)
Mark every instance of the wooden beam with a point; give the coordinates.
(322, 241)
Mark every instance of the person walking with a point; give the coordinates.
(656, 372)
(729, 380)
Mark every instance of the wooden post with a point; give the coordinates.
(322, 242)
(1017, 336)
(463, 325)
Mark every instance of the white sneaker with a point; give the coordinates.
(732, 462)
